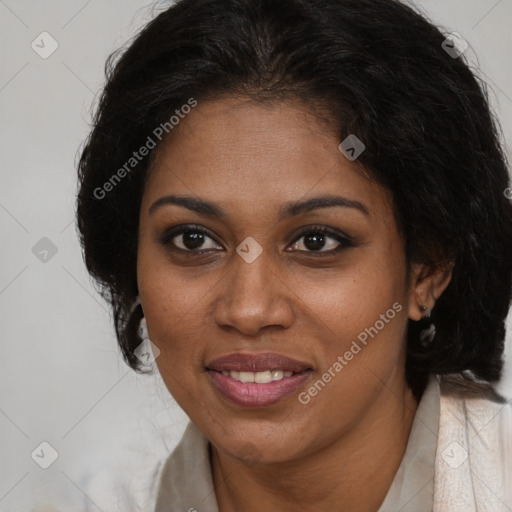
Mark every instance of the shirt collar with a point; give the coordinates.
(186, 481)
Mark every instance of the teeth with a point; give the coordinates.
(258, 377)
(246, 376)
(277, 374)
(262, 377)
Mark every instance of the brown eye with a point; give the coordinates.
(189, 239)
(318, 239)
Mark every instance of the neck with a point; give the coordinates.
(353, 473)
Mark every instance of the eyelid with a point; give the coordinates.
(166, 238)
(317, 228)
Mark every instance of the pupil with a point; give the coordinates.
(314, 242)
(192, 239)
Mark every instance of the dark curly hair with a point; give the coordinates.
(376, 69)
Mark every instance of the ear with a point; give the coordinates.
(426, 285)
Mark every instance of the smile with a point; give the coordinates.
(257, 394)
(258, 377)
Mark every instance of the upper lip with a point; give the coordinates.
(257, 363)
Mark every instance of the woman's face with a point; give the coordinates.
(255, 287)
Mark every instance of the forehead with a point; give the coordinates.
(246, 155)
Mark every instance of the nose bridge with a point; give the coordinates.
(251, 263)
(250, 278)
(253, 296)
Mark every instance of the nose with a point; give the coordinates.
(253, 297)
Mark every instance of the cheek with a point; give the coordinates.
(174, 306)
(359, 314)
(174, 309)
(176, 317)
(349, 299)
(359, 331)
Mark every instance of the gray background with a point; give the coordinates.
(62, 379)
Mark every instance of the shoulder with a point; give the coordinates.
(474, 452)
(479, 412)
(186, 480)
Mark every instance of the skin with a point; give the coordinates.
(345, 445)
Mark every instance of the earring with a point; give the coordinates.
(135, 305)
(429, 333)
(143, 329)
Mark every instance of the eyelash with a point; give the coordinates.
(168, 236)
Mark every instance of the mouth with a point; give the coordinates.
(263, 377)
(257, 380)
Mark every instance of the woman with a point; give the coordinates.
(303, 205)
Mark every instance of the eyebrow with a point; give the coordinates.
(286, 211)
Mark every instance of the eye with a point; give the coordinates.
(194, 238)
(190, 238)
(321, 239)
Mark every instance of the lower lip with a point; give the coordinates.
(251, 394)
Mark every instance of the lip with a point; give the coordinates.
(252, 394)
(257, 363)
